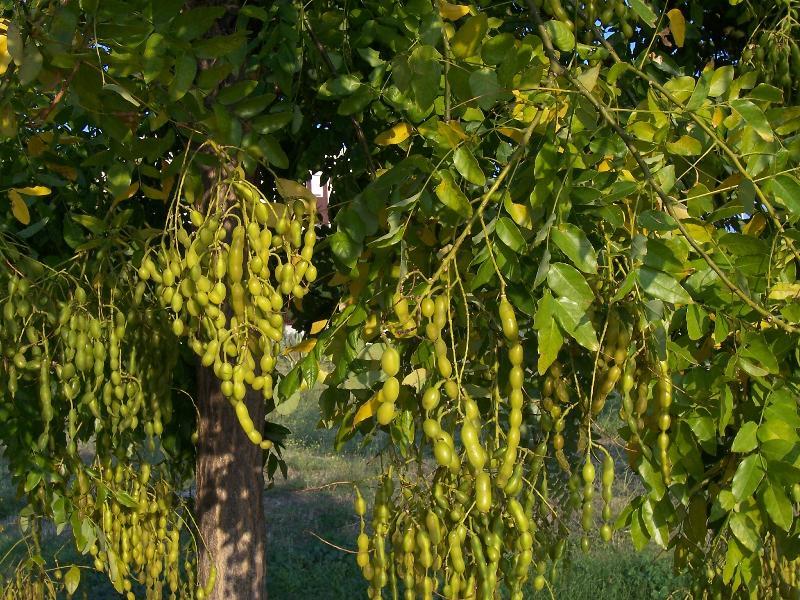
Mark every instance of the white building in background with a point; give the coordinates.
(322, 192)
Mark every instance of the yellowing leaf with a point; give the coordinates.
(755, 225)
(589, 77)
(467, 40)
(677, 25)
(416, 378)
(151, 192)
(514, 134)
(718, 117)
(291, 189)
(65, 171)
(785, 291)
(19, 208)
(698, 232)
(366, 410)
(338, 279)
(397, 134)
(318, 326)
(132, 189)
(452, 12)
(5, 57)
(8, 122)
(603, 167)
(303, 347)
(36, 190)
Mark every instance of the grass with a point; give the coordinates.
(311, 525)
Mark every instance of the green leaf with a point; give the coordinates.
(656, 220)
(778, 506)
(573, 242)
(697, 321)
(426, 71)
(236, 91)
(560, 35)
(745, 532)
(289, 384)
(340, 86)
(745, 440)
(576, 323)
(125, 499)
(548, 335)
(357, 101)
(253, 106)
(452, 197)
(654, 517)
(652, 478)
(509, 233)
(195, 22)
(118, 179)
(485, 88)
(185, 71)
(220, 46)
(59, 508)
(639, 533)
(645, 13)
(700, 93)
(565, 280)
(272, 122)
(466, 164)
(721, 81)
(118, 89)
(787, 192)
(496, 49)
(767, 93)
(15, 45)
(345, 248)
(754, 117)
(72, 579)
(273, 152)
(31, 65)
(686, 145)
(662, 286)
(748, 475)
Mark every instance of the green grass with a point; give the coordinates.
(311, 524)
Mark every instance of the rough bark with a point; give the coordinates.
(229, 503)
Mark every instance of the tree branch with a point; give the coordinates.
(718, 141)
(556, 66)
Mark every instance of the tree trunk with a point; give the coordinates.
(229, 507)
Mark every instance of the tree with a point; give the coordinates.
(537, 208)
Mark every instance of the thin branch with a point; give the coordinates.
(332, 69)
(331, 544)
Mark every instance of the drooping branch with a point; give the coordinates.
(668, 202)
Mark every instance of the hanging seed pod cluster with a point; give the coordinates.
(773, 56)
(226, 276)
(86, 364)
(495, 432)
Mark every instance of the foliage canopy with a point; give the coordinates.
(536, 207)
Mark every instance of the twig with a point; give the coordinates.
(332, 69)
(322, 487)
(331, 544)
(59, 95)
